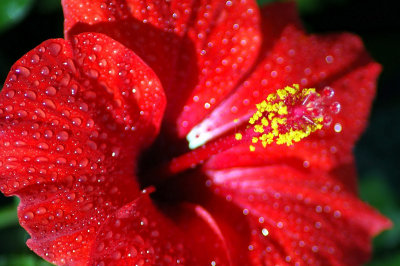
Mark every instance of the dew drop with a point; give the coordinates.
(328, 92)
(116, 255)
(62, 135)
(59, 213)
(51, 91)
(61, 160)
(132, 252)
(42, 159)
(83, 163)
(43, 146)
(76, 121)
(100, 247)
(39, 112)
(92, 144)
(48, 133)
(41, 210)
(19, 143)
(70, 64)
(335, 107)
(35, 59)
(10, 94)
(337, 127)
(44, 71)
(78, 238)
(28, 216)
(71, 196)
(30, 95)
(65, 80)
(83, 107)
(60, 148)
(49, 103)
(54, 49)
(87, 207)
(97, 48)
(23, 71)
(22, 113)
(92, 73)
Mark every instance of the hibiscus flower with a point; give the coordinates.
(170, 132)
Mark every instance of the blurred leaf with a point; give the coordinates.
(263, 2)
(390, 260)
(375, 190)
(22, 260)
(8, 216)
(12, 11)
(48, 6)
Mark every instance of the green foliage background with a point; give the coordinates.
(26, 23)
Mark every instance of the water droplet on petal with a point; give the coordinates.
(337, 127)
(62, 135)
(35, 59)
(54, 49)
(20, 143)
(116, 255)
(23, 71)
(97, 48)
(78, 238)
(49, 103)
(41, 210)
(44, 71)
(335, 107)
(71, 196)
(76, 121)
(30, 95)
(10, 94)
(28, 216)
(51, 91)
(43, 146)
(328, 92)
(92, 73)
(48, 133)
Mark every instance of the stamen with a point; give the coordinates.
(292, 114)
(284, 117)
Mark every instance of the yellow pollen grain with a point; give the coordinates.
(238, 136)
(272, 116)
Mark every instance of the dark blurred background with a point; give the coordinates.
(26, 23)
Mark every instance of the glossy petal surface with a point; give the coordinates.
(69, 123)
(339, 61)
(141, 234)
(199, 49)
(298, 216)
(77, 117)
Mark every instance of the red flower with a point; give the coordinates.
(86, 144)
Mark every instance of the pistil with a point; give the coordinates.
(285, 117)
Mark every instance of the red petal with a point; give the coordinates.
(140, 234)
(339, 61)
(199, 49)
(298, 216)
(275, 18)
(71, 128)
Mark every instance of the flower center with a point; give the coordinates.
(284, 117)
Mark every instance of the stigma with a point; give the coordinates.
(291, 114)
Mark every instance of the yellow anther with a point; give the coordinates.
(279, 119)
(282, 94)
(264, 121)
(238, 136)
(283, 110)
